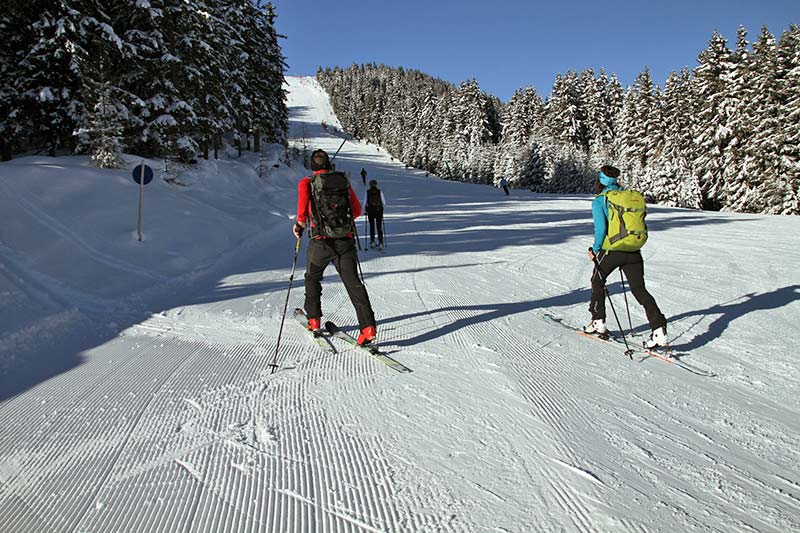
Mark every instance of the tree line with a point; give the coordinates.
(150, 77)
(722, 136)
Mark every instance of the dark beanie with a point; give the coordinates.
(320, 161)
(611, 172)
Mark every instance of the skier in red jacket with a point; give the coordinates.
(324, 249)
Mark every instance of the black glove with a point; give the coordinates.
(298, 229)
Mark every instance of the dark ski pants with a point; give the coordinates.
(632, 266)
(505, 188)
(342, 253)
(375, 219)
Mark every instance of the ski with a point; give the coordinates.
(322, 340)
(668, 355)
(340, 334)
(606, 337)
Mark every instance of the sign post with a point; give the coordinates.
(142, 175)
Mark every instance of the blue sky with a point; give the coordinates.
(510, 44)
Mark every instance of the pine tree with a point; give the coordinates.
(785, 194)
(640, 132)
(45, 90)
(678, 184)
(521, 118)
(566, 114)
(712, 132)
(609, 114)
(105, 132)
(740, 186)
(9, 47)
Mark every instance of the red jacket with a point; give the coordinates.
(304, 202)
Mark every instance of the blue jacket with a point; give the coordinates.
(600, 212)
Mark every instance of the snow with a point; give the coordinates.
(165, 120)
(135, 391)
(46, 95)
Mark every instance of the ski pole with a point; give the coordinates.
(383, 225)
(355, 235)
(358, 261)
(337, 150)
(627, 307)
(274, 364)
(628, 350)
(366, 221)
(360, 272)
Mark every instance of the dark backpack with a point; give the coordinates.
(374, 202)
(330, 205)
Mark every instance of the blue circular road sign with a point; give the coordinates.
(137, 174)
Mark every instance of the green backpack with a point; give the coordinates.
(627, 231)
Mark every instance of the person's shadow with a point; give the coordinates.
(728, 312)
(469, 315)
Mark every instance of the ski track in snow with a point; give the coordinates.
(39, 216)
(508, 422)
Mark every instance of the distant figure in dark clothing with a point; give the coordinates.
(374, 202)
(504, 185)
(364, 176)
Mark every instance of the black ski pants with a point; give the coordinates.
(632, 266)
(342, 253)
(375, 219)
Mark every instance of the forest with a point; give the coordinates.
(722, 136)
(149, 77)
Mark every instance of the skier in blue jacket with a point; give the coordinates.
(606, 261)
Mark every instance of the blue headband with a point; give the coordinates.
(607, 180)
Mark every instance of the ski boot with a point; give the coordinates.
(597, 327)
(367, 336)
(314, 326)
(658, 339)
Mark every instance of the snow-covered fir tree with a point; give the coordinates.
(42, 81)
(103, 131)
(712, 133)
(639, 131)
(521, 118)
(783, 195)
(675, 181)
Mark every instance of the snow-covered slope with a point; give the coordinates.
(135, 392)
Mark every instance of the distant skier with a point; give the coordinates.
(616, 245)
(364, 176)
(504, 185)
(328, 200)
(375, 201)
